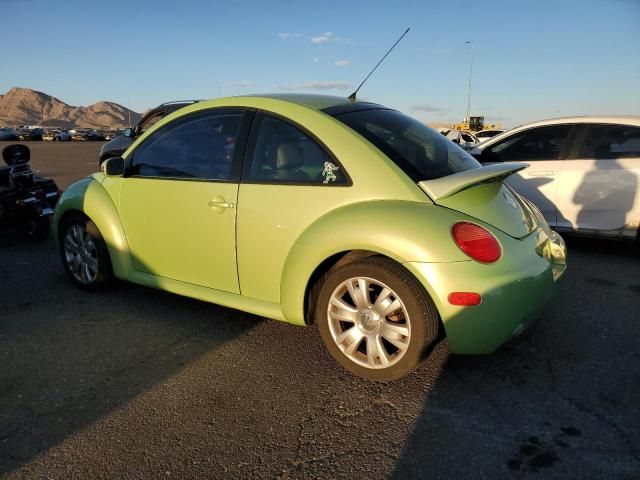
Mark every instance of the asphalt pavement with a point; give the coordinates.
(138, 383)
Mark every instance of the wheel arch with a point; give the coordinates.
(87, 197)
(319, 248)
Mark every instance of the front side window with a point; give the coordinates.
(421, 152)
(198, 146)
(285, 154)
(610, 141)
(543, 143)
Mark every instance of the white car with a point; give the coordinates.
(484, 135)
(584, 172)
(466, 140)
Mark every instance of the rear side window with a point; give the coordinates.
(422, 153)
(283, 153)
(610, 141)
(543, 143)
(487, 133)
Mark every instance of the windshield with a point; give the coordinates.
(421, 152)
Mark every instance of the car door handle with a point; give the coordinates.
(541, 173)
(220, 204)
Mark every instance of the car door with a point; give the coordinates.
(543, 147)
(598, 184)
(178, 199)
(289, 180)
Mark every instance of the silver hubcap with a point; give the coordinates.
(369, 322)
(80, 254)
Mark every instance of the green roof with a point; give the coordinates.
(317, 102)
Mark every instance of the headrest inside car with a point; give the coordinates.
(289, 156)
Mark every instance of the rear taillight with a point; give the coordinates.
(476, 242)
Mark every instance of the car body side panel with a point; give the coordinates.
(91, 198)
(174, 231)
(539, 183)
(421, 234)
(513, 291)
(226, 299)
(600, 195)
(271, 217)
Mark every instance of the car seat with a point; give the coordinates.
(289, 159)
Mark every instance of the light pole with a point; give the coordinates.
(129, 110)
(468, 116)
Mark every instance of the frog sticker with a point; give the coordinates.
(328, 174)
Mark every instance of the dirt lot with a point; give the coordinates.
(137, 383)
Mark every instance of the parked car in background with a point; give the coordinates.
(63, 136)
(80, 135)
(8, 134)
(109, 134)
(96, 136)
(466, 140)
(119, 144)
(87, 135)
(483, 135)
(49, 135)
(30, 134)
(584, 172)
(318, 209)
(56, 135)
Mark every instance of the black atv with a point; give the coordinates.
(26, 200)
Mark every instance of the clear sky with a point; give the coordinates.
(533, 59)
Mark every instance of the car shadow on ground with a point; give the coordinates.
(560, 401)
(139, 382)
(69, 357)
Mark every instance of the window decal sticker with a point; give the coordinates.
(328, 174)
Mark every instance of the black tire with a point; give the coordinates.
(104, 272)
(39, 229)
(418, 312)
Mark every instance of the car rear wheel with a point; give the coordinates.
(376, 319)
(84, 253)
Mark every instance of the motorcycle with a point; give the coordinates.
(26, 200)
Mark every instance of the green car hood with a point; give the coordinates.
(481, 193)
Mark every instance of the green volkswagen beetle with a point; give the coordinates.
(317, 209)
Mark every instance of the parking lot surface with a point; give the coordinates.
(138, 383)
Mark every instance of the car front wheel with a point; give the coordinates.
(376, 319)
(84, 253)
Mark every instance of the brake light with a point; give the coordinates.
(476, 242)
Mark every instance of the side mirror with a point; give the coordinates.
(17, 154)
(128, 132)
(113, 166)
(475, 151)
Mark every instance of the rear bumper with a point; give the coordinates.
(513, 291)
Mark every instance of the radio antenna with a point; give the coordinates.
(352, 97)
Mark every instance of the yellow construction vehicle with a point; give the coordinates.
(475, 124)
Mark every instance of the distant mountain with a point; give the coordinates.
(23, 106)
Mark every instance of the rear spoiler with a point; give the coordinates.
(452, 184)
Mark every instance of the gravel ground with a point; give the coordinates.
(137, 383)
